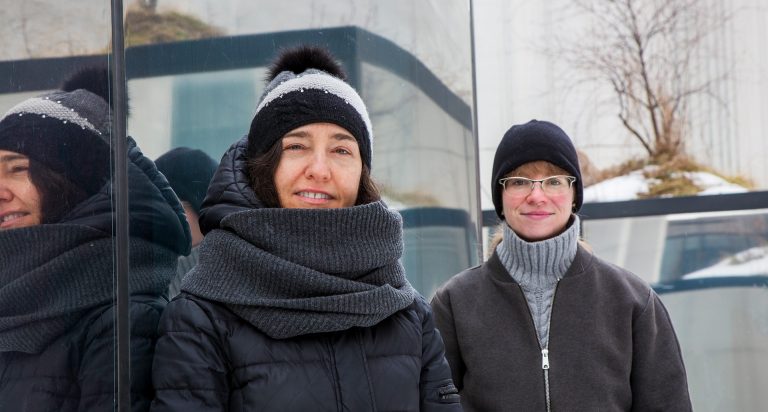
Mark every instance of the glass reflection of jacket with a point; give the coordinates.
(74, 370)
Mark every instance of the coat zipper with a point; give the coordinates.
(545, 367)
(334, 372)
(544, 350)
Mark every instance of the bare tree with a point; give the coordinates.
(646, 50)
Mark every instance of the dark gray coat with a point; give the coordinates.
(612, 346)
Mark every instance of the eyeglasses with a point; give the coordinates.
(522, 186)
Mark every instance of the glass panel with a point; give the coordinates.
(201, 93)
(711, 271)
(57, 312)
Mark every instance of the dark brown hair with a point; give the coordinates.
(58, 195)
(261, 176)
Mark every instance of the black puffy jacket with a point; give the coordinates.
(209, 359)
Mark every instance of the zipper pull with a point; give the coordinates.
(545, 359)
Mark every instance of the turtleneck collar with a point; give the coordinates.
(542, 263)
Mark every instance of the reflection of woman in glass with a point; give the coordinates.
(56, 253)
(298, 302)
(544, 324)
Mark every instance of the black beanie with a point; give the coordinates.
(189, 171)
(529, 142)
(65, 130)
(306, 85)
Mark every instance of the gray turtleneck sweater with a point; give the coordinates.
(537, 267)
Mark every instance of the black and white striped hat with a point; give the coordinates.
(65, 130)
(306, 85)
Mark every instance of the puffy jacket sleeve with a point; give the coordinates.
(190, 371)
(658, 376)
(97, 368)
(443, 312)
(436, 387)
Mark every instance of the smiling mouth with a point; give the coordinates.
(537, 215)
(314, 195)
(12, 216)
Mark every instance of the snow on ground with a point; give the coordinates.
(714, 185)
(617, 189)
(750, 262)
(628, 186)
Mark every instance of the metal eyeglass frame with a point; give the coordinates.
(571, 180)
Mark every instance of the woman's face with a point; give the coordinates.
(320, 167)
(535, 215)
(19, 198)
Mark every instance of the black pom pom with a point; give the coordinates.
(299, 59)
(94, 79)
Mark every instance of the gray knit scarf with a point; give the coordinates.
(50, 275)
(292, 272)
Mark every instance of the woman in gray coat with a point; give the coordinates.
(544, 324)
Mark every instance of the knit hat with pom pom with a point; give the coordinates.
(66, 130)
(307, 85)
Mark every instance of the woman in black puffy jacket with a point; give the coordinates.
(57, 312)
(299, 302)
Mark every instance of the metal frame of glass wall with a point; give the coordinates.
(122, 287)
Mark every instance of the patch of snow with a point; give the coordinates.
(628, 187)
(713, 185)
(617, 189)
(751, 262)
